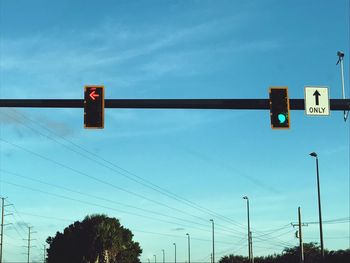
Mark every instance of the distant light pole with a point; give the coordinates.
(175, 251)
(149, 261)
(163, 255)
(313, 154)
(212, 226)
(155, 258)
(189, 247)
(250, 247)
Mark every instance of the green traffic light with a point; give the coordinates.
(282, 118)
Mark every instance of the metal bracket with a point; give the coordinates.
(340, 55)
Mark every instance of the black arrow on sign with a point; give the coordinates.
(317, 94)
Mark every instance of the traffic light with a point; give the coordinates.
(279, 107)
(94, 107)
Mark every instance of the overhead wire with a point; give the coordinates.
(276, 240)
(101, 181)
(125, 173)
(178, 236)
(332, 221)
(98, 179)
(273, 231)
(21, 231)
(94, 204)
(101, 198)
(146, 182)
(162, 190)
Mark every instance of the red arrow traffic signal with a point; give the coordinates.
(93, 95)
(94, 107)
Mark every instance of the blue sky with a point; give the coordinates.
(55, 172)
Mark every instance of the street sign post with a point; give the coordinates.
(317, 101)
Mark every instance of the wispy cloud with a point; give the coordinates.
(115, 53)
(22, 122)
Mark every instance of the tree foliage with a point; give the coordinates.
(292, 255)
(95, 239)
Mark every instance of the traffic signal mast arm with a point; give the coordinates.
(229, 104)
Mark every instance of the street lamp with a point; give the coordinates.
(163, 255)
(155, 258)
(250, 246)
(212, 226)
(313, 154)
(175, 251)
(189, 247)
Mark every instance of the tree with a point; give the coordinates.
(312, 254)
(96, 239)
(234, 259)
(338, 256)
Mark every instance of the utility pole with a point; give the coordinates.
(189, 247)
(28, 244)
(213, 254)
(300, 234)
(175, 251)
(44, 253)
(2, 225)
(251, 246)
(301, 248)
(29, 241)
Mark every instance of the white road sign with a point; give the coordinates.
(316, 101)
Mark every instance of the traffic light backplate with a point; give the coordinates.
(279, 108)
(94, 107)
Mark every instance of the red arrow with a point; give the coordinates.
(93, 96)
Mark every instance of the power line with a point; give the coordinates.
(144, 182)
(102, 181)
(98, 180)
(131, 176)
(119, 171)
(333, 221)
(104, 199)
(98, 205)
(177, 236)
(79, 173)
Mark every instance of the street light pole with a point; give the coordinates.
(212, 224)
(249, 233)
(175, 251)
(313, 154)
(155, 258)
(163, 255)
(189, 247)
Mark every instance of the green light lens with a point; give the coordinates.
(282, 118)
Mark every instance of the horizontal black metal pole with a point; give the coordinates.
(230, 104)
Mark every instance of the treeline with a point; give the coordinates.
(312, 254)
